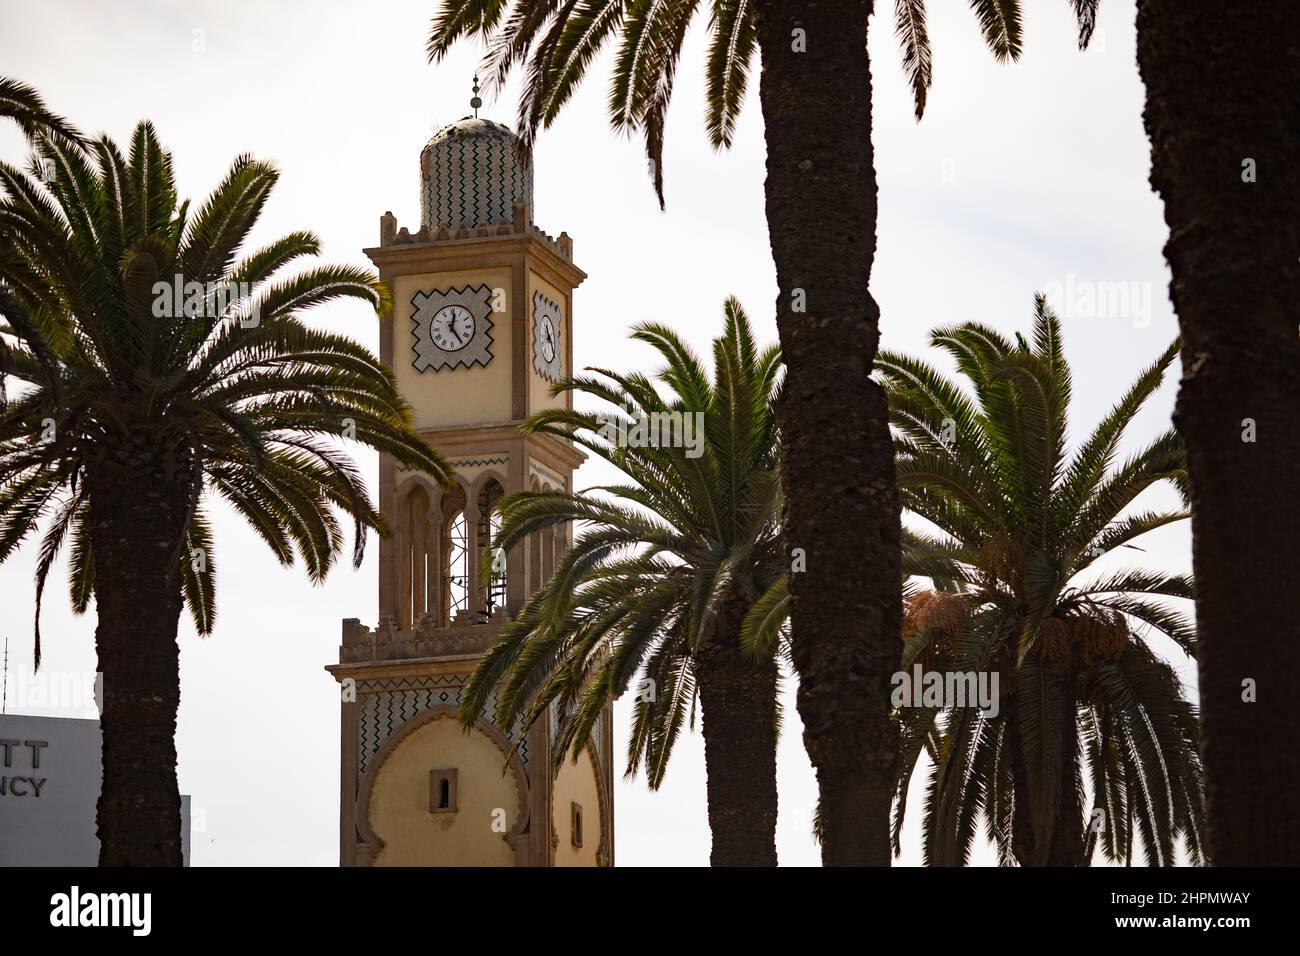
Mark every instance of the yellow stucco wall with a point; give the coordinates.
(456, 396)
(576, 783)
(538, 387)
(399, 800)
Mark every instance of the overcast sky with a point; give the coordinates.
(1020, 177)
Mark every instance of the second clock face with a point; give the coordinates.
(548, 339)
(548, 326)
(451, 328)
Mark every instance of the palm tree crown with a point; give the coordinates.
(138, 338)
(1022, 522)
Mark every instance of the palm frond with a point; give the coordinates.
(914, 39)
(24, 105)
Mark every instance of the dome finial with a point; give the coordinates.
(474, 101)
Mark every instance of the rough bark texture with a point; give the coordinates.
(1223, 87)
(137, 517)
(738, 722)
(842, 505)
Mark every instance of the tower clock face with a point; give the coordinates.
(548, 338)
(452, 328)
(548, 323)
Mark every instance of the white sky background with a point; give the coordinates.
(1018, 177)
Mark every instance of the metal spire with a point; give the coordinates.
(475, 101)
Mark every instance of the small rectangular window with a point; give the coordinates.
(442, 791)
(575, 826)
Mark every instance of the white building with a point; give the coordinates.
(49, 785)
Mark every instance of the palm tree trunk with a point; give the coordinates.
(842, 514)
(738, 722)
(1221, 110)
(1067, 844)
(1023, 841)
(137, 517)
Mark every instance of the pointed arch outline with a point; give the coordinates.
(514, 837)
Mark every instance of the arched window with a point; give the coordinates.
(416, 558)
(455, 550)
(442, 791)
(493, 591)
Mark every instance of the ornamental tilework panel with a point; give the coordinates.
(548, 336)
(428, 353)
(384, 712)
(470, 174)
(545, 476)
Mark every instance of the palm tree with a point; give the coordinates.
(1221, 81)
(1021, 524)
(815, 91)
(154, 368)
(653, 591)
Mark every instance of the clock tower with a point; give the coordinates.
(482, 326)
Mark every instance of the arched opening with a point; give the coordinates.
(455, 551)
(493, 590)
(417, 558)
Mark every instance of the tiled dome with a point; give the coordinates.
(470, 173)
